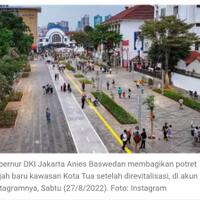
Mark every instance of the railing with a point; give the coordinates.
(186, 73)
(155, 74)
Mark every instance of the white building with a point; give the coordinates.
(128, 23)
(54, 36)
(189, 13)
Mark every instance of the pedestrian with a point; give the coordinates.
(129, 136)
(196, 136)
(83, 86)
(136, 138)
(55, 77)
(83, 98)
(165, 131)
(110, 70)
(113, 83)
(44, 89)
(112, 95)
(124, 138)
(107, 84)
(51, 89)
(61, 88)
(124, 94)
(69, 88)
(143, 138)
(180, 103)
(119, 91)
(169, 132)
(64, 87)
(48, 115)
(129, 93)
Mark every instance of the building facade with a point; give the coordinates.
(107, 17)
(189, 13)
(128, 23)
(85, 21)
(29, 16)
(97, 20)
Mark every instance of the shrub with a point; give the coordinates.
(15, 96)
(25, 74)
(79, 76)
(7, 119)
(70, 68)
(86, 81)
(116, 110)
(172, 94)
(27, 68)
(150, 81)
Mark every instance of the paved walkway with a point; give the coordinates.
(166, 110)
(84, 135)
(32, 133)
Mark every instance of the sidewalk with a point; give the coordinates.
(166, 110)
(84, 135)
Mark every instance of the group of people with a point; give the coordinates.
(122, 93)
(167, 131)
(138, 138)
(48, 89)
(193, 94)
(66, 87)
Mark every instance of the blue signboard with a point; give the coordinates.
(138, 41)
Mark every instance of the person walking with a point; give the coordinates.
(69, 88)
(169, 133)
(48, 115)
(83, 99)
(107, 84)
(83, 86)
(124, 139)
(165, 131)
(129, 136)
(124, 94)
(113, 83)
(180, 103)
(119, 91)
(196, 135)
(64, 87)
(129, 93)
(143, 138)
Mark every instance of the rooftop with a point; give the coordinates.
(141, 12)
(194, 55)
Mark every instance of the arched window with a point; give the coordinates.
(56, 38)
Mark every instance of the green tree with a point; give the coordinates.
(150, 102)
(103, 35)
(4, 86)
(19, 29)
(5, 41)
(171, 41)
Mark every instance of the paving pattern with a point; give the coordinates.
(166, 110)
(32, 133)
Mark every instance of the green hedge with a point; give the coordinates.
(25, 74)
(7, 119)
(116, 110)
(15, 96)
(86, 81)
(70, 68)
(176, 96)
(79, 76)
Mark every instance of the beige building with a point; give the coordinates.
(29, 16)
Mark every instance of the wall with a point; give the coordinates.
(30, 18)
(186, 82)
(127, 29)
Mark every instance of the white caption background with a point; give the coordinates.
(186, 187)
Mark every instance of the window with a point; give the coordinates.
(40, 40)
(198, 6)
(47, 40)
(56, 38)
(163, 12)
(175, 10)
(197, 24)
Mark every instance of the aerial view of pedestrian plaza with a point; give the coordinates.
(100, 79)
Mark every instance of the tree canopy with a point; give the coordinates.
(171, 40)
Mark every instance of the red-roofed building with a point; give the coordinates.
(128, 23)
